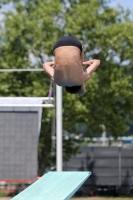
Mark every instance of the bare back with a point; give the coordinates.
(68, 70)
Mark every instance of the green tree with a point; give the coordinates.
(106, 34)
(26, 40)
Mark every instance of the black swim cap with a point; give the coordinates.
(73, 89)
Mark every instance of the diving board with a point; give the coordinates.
(54, 186)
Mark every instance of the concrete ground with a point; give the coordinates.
(5, 198)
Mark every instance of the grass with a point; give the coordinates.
(3, 194)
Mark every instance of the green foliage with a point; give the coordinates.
(27, 35)
(106, 34)
(26, 40)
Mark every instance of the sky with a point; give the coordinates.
(127, 4)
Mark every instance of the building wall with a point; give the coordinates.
(18, 145)
(110, 167)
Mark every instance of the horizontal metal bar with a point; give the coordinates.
(22, 70)
(47, 102)
(26, 105)
(42, 98)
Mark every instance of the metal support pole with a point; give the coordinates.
(119, 166)
(58, 128)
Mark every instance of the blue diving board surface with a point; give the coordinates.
(54, 186)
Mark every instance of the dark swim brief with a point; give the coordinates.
(68, 41)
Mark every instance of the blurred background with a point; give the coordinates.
(98, 127)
